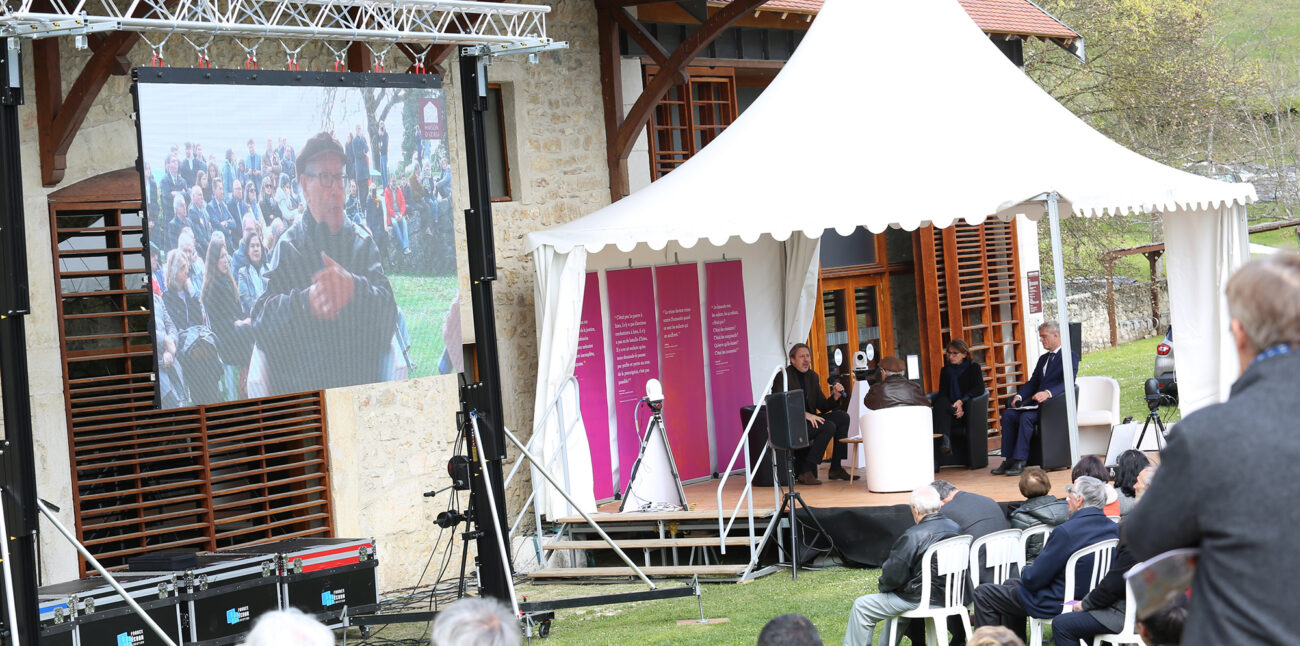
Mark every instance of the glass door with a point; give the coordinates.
(854, 313)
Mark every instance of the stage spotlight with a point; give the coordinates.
(654, 395)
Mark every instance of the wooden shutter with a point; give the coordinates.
(143, 479)
(976, 296)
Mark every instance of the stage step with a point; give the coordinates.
(638, 543)
(666, 516)
(653, 571)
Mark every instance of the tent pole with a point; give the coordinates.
(1063, 317)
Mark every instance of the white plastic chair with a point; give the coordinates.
(953, 558)
(1002, 550)
(899, 445)
(1101, 553)
(1098, 413)
(1128, 633)
(1029, 532)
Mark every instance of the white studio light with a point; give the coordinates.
(654, 394)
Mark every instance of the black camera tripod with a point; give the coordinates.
(1153, 417)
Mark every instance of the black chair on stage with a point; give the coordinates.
(970, 439)
(1049, 447)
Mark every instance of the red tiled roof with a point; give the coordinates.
(1014, 17)
(1018, 17)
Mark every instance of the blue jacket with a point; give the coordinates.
(1048, 377)
(1043, 589)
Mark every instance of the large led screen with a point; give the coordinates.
(300, 231)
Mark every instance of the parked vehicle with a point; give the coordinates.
(1164, 369)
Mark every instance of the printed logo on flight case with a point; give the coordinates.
(331, 597)
(237, 615)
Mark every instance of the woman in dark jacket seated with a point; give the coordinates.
(1039, 508)
(960, 381)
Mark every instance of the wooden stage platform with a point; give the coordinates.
(839, 493)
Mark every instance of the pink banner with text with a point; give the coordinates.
(636, 356)
(728, 353)
(590, 372)
(685, 415)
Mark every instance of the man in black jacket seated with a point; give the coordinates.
(900, 576)
(328, 315)
(895, 389)
(826, 422)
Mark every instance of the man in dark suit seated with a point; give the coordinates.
(895, 389)
(1047, 381)
(826, 422)
(1040, 590)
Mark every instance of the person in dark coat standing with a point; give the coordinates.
(361, 160)
(1222, 483)
(1047, 381)
(960, 381)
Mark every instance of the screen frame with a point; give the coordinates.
(209, 76)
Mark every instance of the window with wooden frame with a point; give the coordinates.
(144, 479)
(975, 295)
(498, 152)
(690, 116)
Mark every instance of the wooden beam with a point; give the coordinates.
(669, 74)
(611, 95)
(642, 37)
(60, 118)
(358, 58)
(1110, 304)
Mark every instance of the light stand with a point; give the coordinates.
(1154, 399)
(654, 400)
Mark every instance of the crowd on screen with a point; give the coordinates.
(214, 222)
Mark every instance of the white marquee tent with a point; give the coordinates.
(872, 124)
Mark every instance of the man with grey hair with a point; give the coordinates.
(1047, 381)
(289, 628)
(1222, 485)
(475, 622)
(900, 576)
(1040, 590)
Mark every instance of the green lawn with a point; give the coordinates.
(1131, 364)
(424, 300)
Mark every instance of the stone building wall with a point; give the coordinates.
(389, 443)
(1132, 313)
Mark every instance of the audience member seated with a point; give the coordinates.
(1040, 589)
(1127, 467)
(475, 622)
(994, 636)
(1164, 627)
(1093, 467)
(895, 389)
(1047, 381)
(1039, 508)
(975, 516)
(826, 422)
(789, 630)
(289, 628)
(960, 381)
(900, 576)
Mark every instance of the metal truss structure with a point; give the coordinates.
(503, 28)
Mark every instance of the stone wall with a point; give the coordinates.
(1132, 313)
(390, 442)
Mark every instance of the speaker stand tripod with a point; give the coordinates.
(789, 500)
(1152, 418)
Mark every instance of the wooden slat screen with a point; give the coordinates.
(976, 273)
(144, 479)
(689, 117)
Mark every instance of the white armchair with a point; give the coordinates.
(1098, 413)
(899, 447)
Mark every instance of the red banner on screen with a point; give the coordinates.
(636, 356)
(728, 354)
(590, 372)
(685, 415)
